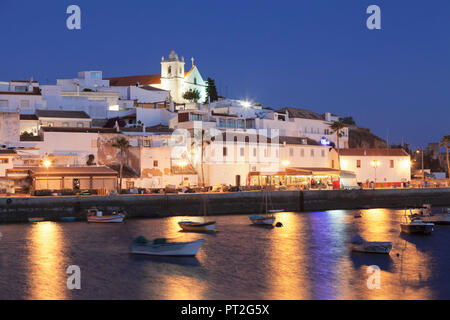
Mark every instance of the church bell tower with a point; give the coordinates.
(172, 76)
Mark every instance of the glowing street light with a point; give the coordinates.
(47, 163)
(285, 163)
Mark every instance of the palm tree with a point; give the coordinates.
(337, 127)
(122, 144)
(445, 142)
(202, 139)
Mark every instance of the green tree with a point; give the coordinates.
(211, 91)
(192, 95)
(123, 145)
(337, 127)
(445, 142)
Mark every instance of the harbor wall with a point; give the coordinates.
(158, 205)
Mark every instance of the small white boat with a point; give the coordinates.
(358, 244)
(193, 226)
(95, 215)
(262, 220)
(427, 215)
(163, 247)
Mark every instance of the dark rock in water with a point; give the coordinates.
(279, 225)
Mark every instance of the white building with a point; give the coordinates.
(384, 167)
(173, 79)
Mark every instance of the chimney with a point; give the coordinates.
(327, 116)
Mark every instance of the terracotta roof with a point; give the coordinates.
(298, 140)
(301, 113)
(373, 152)
(62, 114)
(145, 80)
(85, 130)
(74, 171)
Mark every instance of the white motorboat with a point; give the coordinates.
(425, 214)
(415, 225)
(358, 244)
(95, 215)
(163, 247)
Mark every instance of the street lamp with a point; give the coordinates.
(47, 163)
(375, 164)
(423, 170)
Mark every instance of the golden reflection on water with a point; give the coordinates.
(181, 283)
(287, 263)
(405, 279)
(47, 278)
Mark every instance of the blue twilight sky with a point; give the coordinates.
(314, 54)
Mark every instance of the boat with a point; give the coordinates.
(358, 244)
(33, 220)
(67, 219)
(164, 247)
(268, 219)
(415, 225)
(425, 214)
(357, 215)
(95, 215)
(194, 226)
(262, 220)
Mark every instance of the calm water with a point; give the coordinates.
(306, 259)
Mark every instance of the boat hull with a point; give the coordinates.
(106, 219)
(442, 219)
(372, 247)
(261, 220)
(412, 228)
(198, 227)
(185, 249)
(33, 220)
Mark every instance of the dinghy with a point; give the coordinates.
(358, 244)
(193, 226)
(164, 247)
(269, 218)
(95, 215)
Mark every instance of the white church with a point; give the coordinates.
(173, 78)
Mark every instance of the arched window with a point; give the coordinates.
(195, 80)
(169, 70)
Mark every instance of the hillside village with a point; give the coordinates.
(147, 132)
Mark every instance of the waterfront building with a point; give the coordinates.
(382, 167)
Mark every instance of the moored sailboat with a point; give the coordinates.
(194, 226)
